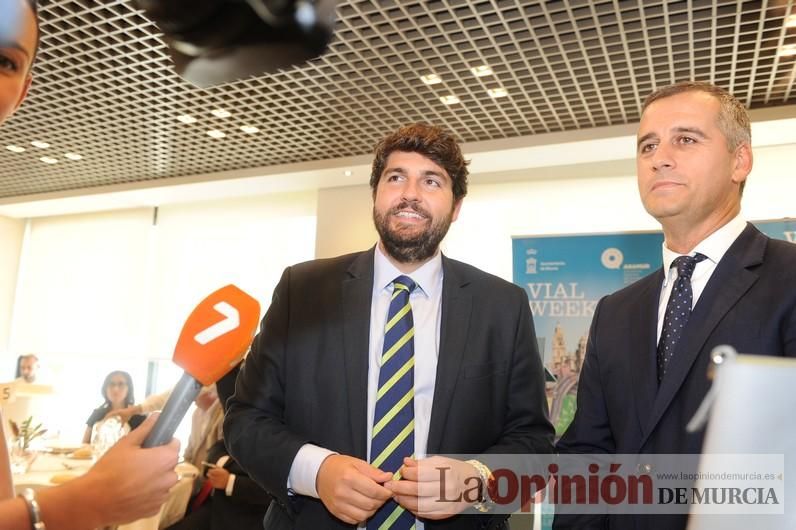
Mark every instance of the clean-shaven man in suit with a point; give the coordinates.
(312, 403)
(644, 375)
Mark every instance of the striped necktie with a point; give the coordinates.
(393, 435)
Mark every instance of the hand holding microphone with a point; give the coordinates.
(213, 340)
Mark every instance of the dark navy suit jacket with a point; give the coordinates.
(749, 303)
(305, 380)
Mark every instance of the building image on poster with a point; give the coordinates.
(564, 278)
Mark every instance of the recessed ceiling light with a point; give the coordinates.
(497, 92)
(449, 100)
(187, 119)
(348, 172)
(787, 50)
(431, 79)
(790, 22)
(481, 71)
(74, 156)
(15, 148)
(49, 160)
(40, 144)
(249, 129)
(221, 113)
(215, 133)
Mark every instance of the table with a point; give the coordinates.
(47, 465)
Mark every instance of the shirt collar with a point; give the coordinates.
(713, 247)
(427, 277)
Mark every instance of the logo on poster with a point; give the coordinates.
(612, 258)
(530, 261)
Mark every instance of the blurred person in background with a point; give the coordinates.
(129, 482)
(118, 392)
(27, 368)
(233, 499)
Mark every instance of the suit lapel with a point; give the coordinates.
(643, 331)
(357, 291)
(726, 286)
(456, 309)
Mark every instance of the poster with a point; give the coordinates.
(564, 278)
(778, 229)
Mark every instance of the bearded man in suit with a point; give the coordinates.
(308, 419)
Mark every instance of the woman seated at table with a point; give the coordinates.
(117, 390)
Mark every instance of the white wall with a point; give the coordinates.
(11, 233)
(493, 213)
(344, 221)
(111, 290)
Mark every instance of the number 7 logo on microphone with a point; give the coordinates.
(217, 334)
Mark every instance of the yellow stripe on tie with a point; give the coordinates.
(396, 513)
(397, 346)
(396, 376)
(396, 290)
(379, 460)
(392, 412)
(398, 316)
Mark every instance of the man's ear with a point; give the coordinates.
(456, 207)
(742, 163)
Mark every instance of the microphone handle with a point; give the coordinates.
(179, 401)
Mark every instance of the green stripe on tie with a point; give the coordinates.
(396, 513)
(395, 443)
(391, 381)
(392, 412)
(397, 346)
(398, 316)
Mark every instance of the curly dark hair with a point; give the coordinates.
(430, 141)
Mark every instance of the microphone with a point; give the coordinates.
(207, 349)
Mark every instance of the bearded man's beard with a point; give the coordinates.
(406, 247)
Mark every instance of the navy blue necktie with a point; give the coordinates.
(393, 436)
(678, 309)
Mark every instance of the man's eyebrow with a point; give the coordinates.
(683, 129)
(645, 138)
(691, 130)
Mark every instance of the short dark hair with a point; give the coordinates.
(430, 141)
(130, 399)
(733, 119)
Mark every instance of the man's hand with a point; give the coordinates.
(218, 477)
(436, 487)
(130, 482)
(351, 488)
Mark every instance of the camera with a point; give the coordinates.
(218, 41)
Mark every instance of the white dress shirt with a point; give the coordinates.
(713, 247)
(426, 302)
